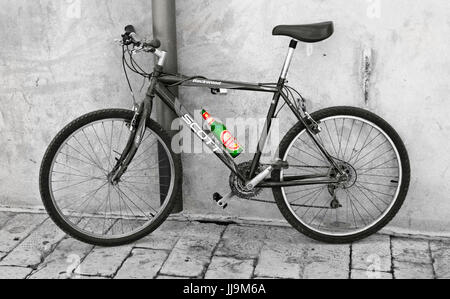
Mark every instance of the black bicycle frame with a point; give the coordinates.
(159, 86)
(161, 90)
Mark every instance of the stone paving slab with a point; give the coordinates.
(32, 251)
(142, 264)
(280, 261)
(327, 261)
(193, 252)
(64, 261)
(189, 258)
(373, 254)
(104, 261)
(165, 237)
(230, 268)
(411, 250)
(14, 272)
(204, 250)
(407, 270)
(360, 274)
(283, 253)
(17, 229)
(244, 242)
(440, 252)
(282, 235)
(171, 277)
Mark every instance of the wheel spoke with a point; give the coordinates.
(93, 150)
(364, 145)
(348, 140)
(312, 194)
(147, 204)
(93, 160)
(331, 139)
(366, 155)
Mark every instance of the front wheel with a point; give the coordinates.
(376, 163)
(79, 195)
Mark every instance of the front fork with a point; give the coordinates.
(137, 128)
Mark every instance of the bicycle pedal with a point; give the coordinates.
(217, 197)
(221, 201)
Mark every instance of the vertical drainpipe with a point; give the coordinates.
(165, 29)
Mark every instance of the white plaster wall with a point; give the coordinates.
(409, 85)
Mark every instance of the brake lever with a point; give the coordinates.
(138, 49)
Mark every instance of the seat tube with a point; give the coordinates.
(287, 62)
(273, 107)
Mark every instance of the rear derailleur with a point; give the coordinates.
(335, 204)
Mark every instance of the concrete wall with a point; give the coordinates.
(56, 66)
(58, 61)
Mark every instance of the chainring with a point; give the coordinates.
(238, 187)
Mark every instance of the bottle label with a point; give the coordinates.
(229, 141)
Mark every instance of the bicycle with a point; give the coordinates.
(111, 177)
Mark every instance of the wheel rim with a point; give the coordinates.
(90, 204)
(365, 202)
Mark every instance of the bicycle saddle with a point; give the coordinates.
(311, 33)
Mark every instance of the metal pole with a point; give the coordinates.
(165, 29)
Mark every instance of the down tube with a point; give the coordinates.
(174, 103)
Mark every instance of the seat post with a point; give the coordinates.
(287, 62)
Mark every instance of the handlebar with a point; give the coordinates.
(130, 38)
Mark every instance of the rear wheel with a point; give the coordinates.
(375, 161)
(78, 194)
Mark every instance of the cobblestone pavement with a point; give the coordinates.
(32, 247)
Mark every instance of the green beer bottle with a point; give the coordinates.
(220, 131)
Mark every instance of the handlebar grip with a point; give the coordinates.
(129, 29)
(130, 34)
(154, 44)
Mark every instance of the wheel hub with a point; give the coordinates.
(348, 179)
